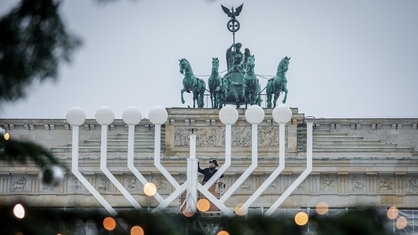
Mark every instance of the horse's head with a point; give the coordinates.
(251, 61)
(183, 63)
(215, 64)
(283, 65)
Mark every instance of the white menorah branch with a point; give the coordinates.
(158, 116)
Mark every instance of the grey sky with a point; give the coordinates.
(349, 58)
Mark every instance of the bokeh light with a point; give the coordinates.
(203, 204)
(392, 212)
(150, 189)
(109, 223)
(241, 211)
(223, 232)
(301, 218)
(401, 222)
(6, 136)
(137, 230)
(187, 213)
(19, 211)
(322, 208)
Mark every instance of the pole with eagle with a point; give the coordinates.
(233, 24)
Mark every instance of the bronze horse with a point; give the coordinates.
(278, 84)
(192, 84)
(251, 83)
(215, 85)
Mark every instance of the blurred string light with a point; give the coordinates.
(301, 218)
(203, 204)
(322, 208)
(240, 211)
(19, 211)
(392, 212)
(223, 232)
(137, 230)
(6, 136)
(401, 222)
(109, 223)
(187, 213)
(150, 189)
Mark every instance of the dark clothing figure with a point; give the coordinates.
(208, 172)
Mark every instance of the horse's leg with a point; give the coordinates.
(200, 101)
(219, 98)
(201, 95)
(285, 96)
(276, 96)
(269, 94)
(244, 88)
(181, 92)
(235, 94)
(194, 98)
(246, 97)
(252, 97)
(216, 99)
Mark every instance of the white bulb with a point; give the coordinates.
(254, 114)
(104, 115)
(228, 115)
(76, 116)
(132, 115)
(282, 113)
(158, 115)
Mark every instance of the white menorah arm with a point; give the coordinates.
(214, 200)
(109, 175)
(272, 177)
(227, 163)
(249, 170)
(304, 174)
(81, 178)
(289, 190)
(131, 166)
(174, 195)
(157, 157)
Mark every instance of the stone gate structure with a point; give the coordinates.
(356, 161)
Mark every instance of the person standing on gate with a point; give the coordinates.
(210, 171)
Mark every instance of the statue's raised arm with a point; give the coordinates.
(230, 57)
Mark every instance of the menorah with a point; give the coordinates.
(158, 115)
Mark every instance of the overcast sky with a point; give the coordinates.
(348, 58)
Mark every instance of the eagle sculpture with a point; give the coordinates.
(232, 13)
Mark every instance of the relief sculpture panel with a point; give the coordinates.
(214, 136)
